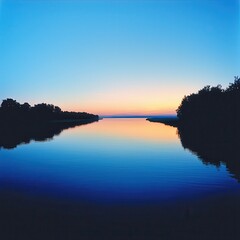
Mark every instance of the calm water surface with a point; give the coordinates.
(112, 162)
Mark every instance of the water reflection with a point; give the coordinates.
(214, 146)
(13, 135)
(134, 129)
(114, 160)
(115, 179)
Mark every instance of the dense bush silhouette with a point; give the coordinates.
(212, 106)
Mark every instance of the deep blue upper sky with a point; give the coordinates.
(112, 57)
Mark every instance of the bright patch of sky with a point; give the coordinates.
(111, 57)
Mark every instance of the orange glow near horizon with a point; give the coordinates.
(103, 111)
(130, 129)
(116, 99)
(130, 101)
(125, 108)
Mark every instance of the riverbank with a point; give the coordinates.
(170, 121)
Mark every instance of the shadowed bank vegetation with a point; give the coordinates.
(212, 107)
(21, 123)
(170, 121)
(209, 125)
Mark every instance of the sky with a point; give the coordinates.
(116, 57)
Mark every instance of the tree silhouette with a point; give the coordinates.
(12, 112)
(10, 105)
(210, 106)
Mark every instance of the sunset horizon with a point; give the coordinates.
(119, 119)
(116, 57)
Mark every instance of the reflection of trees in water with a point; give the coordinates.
(214, 146)
(13, 135)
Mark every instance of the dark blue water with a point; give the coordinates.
(112, 162)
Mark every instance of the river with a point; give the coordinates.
(115, 179)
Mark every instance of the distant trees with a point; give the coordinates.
(10, 105)
(13, 112)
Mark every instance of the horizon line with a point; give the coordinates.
(136, 115)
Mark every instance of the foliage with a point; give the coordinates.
(211, 106)
(13, 112)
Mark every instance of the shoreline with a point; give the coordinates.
(75, 120)
(170, 121)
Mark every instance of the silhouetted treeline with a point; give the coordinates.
(212, 107)
(13, 112)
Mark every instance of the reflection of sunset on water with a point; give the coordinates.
(129, 128)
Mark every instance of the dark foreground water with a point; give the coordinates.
(115, 179)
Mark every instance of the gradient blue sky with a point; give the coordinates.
(116, 57)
